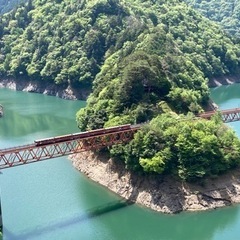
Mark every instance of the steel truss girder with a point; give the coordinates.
(230, 115)
(32, 153)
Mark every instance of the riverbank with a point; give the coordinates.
(70, 93)
(223, 80)
(47, 88)
(160, 193)
(163, 194)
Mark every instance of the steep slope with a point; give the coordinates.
(8, 5)
(144, 58)
(67, 42)
(163, 66)
(226, 13)
(168, 53)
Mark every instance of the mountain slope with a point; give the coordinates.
(226, 13)
(7, 5)
(162, 69)
(168, 59)
(146, 60)
(68, 42)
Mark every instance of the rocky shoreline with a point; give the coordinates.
(65, 92)
(68, 92)
(160, 193)
(224, 80)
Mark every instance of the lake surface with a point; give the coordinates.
(50, 200)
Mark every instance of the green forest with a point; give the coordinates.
(146, 61)
(8, 5)
(226, 13)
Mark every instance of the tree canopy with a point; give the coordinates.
(8, 5)
(143, 59)
(162, 68)
(182, 145)
(70, 42)
(226, 13)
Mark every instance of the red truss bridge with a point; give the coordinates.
(65, 145)
(78, 142)
(229, 115)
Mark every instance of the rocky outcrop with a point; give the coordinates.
(160, 193)
(65, 92)
(224, 80)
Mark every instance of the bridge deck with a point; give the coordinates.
(229, 115)
(77, 142)
(65, 145)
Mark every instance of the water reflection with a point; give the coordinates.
(65, 223)
(36, 115)
(227, 95)
(49, 200)
(132, 223)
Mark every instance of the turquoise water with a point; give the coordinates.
(228, 97)
(50, 200)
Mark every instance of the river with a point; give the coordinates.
(50, 200)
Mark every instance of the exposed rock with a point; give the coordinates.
(65, 92)
(160, 193)
(224, 80)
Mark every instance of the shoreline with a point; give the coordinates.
(47, 88)
(159, 193)
(71, 93)
(223, 80)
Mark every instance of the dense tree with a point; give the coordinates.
(164, 69)
(142, 59)
(226, 13)
(70, 43)
(7, 5)
(183, 146)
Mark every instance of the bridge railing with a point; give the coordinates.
(229, 115)
(73, 143)
(65, 145)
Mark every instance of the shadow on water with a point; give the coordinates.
(91, 213)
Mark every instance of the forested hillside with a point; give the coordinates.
(143, 59)
(7, 5)
(226, 13)
(67, 41)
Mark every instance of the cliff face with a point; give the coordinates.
(65, 92)
(224, 80)
(160, 193)
(163, 194)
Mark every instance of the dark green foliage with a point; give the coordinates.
(142, 58)
(7, 5)
(170, 61)
(158, 66)
(61, 41)
(226, 13)
(69, 42)
(183, 146)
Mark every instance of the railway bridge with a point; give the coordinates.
(65, 145)
(78, 142)
(228, 115)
